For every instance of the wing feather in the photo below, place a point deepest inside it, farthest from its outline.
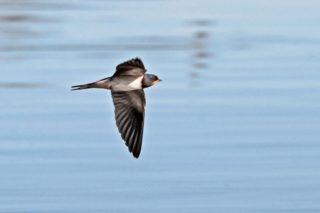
(133, 67)
(129, 115)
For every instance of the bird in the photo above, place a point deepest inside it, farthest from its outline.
(127, 86)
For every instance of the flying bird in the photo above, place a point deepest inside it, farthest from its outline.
(126, 85)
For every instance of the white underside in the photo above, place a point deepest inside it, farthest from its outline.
(128, 84)
(136, 84)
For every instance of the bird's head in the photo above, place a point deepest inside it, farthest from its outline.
(154, 79)
(150, 80)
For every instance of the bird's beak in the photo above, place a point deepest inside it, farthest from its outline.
(156, 81)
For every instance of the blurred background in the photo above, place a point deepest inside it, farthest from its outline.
(233, 127)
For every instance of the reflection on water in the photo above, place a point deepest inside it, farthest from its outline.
(19, 85)
(233, 127)
(201, 55)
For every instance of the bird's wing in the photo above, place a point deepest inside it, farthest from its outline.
(133, 67)
(129, 115)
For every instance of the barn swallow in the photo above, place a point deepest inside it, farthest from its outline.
(126, 85)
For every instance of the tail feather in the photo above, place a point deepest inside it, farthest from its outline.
(103, 83)
(82, 86)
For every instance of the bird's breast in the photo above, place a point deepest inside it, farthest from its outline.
(127, 83)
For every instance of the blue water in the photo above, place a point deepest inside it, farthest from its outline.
(233, 126)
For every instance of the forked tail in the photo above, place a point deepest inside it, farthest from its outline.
(103, 84)
(82, 86)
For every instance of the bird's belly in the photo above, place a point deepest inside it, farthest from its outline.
(127, 84)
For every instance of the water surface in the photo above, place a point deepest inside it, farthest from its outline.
(233, 127)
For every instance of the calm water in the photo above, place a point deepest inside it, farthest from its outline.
(233, 127)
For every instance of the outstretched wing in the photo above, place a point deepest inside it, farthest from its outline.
(129, 115)
(133, 67)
